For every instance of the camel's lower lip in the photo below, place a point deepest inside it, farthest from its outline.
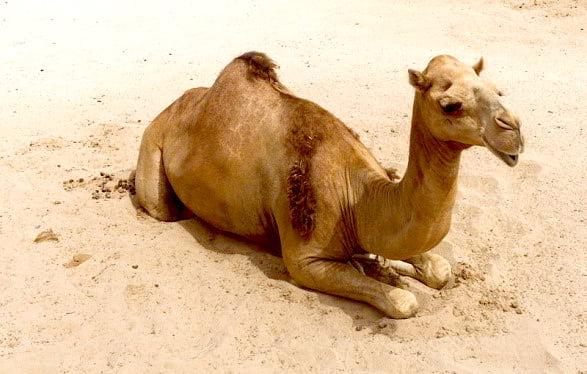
(510, 160)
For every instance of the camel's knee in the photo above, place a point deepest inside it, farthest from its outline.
(302, 272)
(153, 191)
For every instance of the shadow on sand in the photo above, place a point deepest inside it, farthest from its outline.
(269, 261)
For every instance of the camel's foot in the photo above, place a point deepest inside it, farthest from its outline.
(399, 303)
(430, 269)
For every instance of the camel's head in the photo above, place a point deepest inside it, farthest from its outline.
(460, 106)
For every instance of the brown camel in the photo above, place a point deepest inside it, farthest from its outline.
(251, 158)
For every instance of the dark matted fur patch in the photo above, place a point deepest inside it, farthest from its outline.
(306, 131)
(302, 199)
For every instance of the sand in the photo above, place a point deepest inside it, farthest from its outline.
(109, 289)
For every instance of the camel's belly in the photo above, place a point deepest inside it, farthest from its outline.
(231, 197)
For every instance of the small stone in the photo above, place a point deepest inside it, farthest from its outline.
(358, 328)
(95, 195)
(514, 304)
(135, 266)
(156, 285)
(81, 180)
(383, 323)
(107, 195)
(47, 235)
(77, 260)
(519, 311)
(57, 202)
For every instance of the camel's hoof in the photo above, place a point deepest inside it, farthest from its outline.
(403, 304)
(436, 271)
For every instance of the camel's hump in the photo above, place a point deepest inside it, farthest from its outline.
(260, 65)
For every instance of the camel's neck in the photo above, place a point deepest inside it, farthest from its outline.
(414, 215)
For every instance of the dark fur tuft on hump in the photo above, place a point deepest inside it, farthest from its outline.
(260, 65)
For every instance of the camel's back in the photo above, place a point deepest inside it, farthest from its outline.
(225, 157)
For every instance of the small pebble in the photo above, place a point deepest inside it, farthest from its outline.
(135, 266)
(358, 328)
(383, 323)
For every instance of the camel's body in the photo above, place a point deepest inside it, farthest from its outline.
(250, 158)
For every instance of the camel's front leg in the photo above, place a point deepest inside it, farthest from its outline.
(342, 279)
(429, 268)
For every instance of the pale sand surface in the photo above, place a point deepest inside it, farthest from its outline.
(79, 83)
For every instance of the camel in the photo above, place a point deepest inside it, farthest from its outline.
(251, 158)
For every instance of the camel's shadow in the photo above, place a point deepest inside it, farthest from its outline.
(270, 263)
(265, 259)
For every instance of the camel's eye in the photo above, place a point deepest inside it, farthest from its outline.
(452, 108)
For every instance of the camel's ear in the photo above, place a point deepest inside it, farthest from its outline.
(478, 67)
(418, 80)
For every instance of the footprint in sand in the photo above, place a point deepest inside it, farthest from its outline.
(136, 295)
(481, 184)
(528, 170)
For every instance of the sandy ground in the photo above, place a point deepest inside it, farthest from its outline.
(118, 291)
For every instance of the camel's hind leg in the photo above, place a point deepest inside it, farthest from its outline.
(153, 191)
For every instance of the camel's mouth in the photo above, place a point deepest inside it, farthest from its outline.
(510, 160)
